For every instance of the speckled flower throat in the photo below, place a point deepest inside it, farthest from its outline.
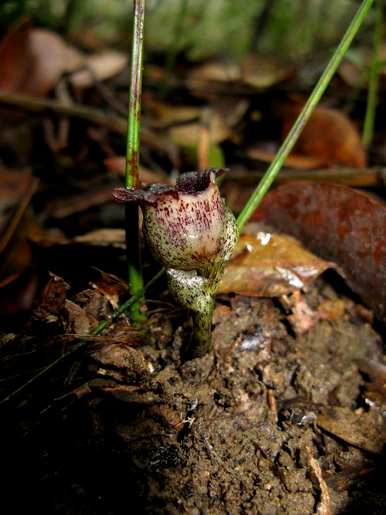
(192, 232)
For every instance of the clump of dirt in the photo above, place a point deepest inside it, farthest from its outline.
(276, 419)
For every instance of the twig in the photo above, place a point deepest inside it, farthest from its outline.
(106, 120)
(304, 116)
(41, 105)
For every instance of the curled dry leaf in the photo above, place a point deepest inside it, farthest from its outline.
(257, 71)
(162, 114)
(329, 137)
(184, 123)
(99, 67)
(263, 71)
(266, 264)
(189, 134)
(54, 295)
(32, 61)
(111, 287)
(340, 224)
(77, 320)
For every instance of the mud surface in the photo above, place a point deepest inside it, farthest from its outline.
(286, 415)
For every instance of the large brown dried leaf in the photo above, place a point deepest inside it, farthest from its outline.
(32, 61)
(329, 137)
(270, 265)
(340, 224)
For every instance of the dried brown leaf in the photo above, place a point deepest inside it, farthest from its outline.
(33, 60)
(100, 66)
(329, 136)
(270, 265)
(338, 223)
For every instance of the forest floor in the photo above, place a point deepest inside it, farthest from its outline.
(286, 413)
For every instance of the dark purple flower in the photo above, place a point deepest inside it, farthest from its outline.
(185, 225)
(192, 232)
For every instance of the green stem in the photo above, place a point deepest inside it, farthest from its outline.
(133, 240)
(372, 92)
(134, 113)
(83, 343)
(304, 116)
(202, 332)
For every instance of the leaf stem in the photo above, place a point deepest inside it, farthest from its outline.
(133, 240)
(134, 113)
(372, 91)
(304, 116)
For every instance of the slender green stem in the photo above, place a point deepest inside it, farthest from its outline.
(304, 116)
(372, 92)
(83, 343)
(134, 113)
(133, 240)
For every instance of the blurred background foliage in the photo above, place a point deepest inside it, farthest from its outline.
(291, 29)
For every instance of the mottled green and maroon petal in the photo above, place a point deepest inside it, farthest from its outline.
(146, 196)
(192, 232)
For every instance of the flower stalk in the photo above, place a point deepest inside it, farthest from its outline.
(133, 240)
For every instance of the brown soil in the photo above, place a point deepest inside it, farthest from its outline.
(271, 422)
